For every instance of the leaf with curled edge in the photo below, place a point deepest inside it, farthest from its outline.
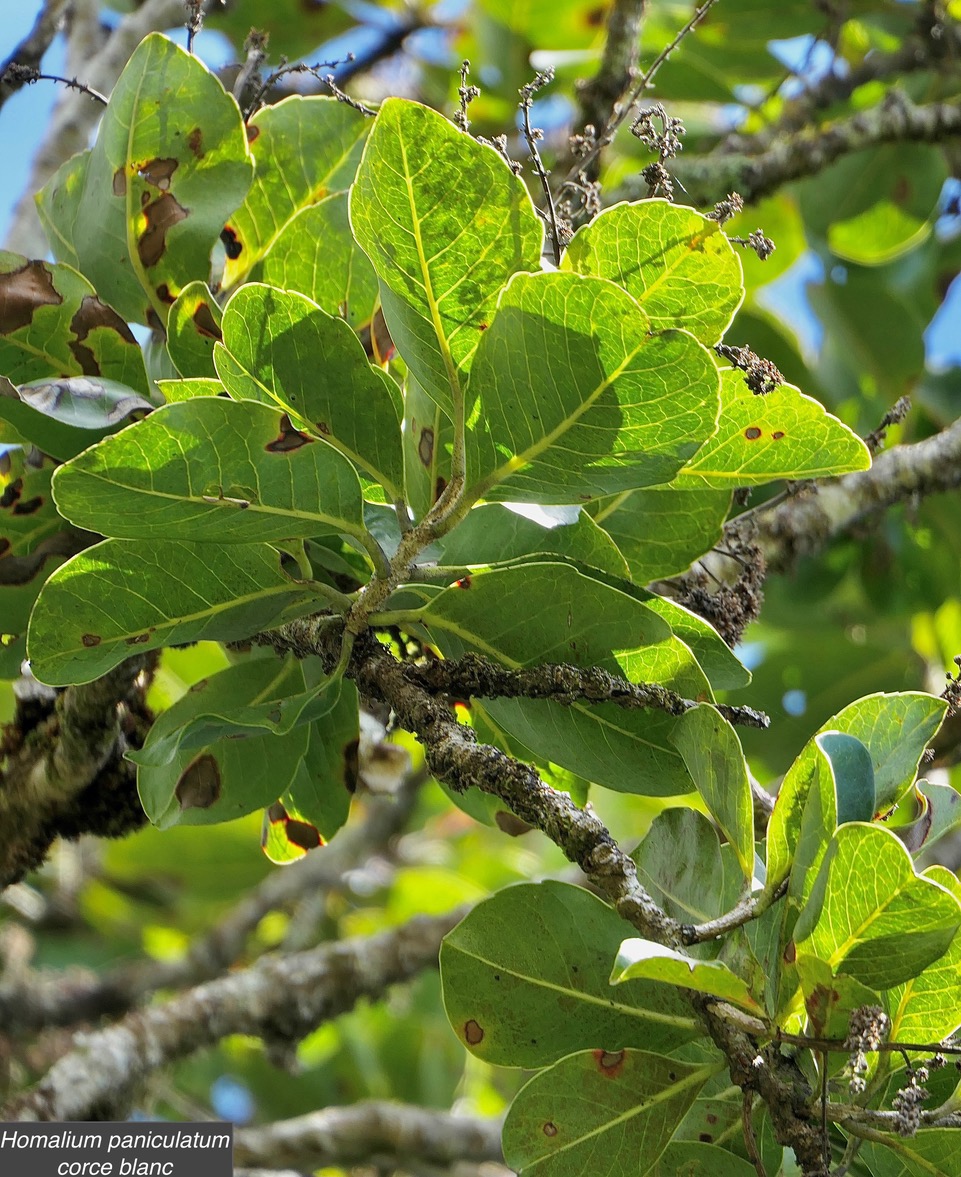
(139, 213)
(193, 327)
(783, 434)
(53, 324)
(62, 417)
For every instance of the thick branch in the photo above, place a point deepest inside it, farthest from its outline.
(803, 525)
(30, 51)
(281, 999)
(64, 772)
(475, 677)
(373, 1132)
(599, 96)
(895, 120)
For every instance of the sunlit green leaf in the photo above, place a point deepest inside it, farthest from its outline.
(139, 213)
(644, 959)
(572, 398)
(193, 327)
(445, 223)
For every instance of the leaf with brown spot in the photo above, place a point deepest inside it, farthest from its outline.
(142, 185)
(53, 324)
(198, 786)
(193, 328)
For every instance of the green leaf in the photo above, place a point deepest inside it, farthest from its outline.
(925, 1007)
(691, 1158)
(118, 599)
(675, 261)
(185, 390)
(623, 1107)
(783, 434)
(878, 921)
(193, 327)
(713, 654)
(545, 612)
(428, 437)
(938, 813)
(225, 778)
(801, 825)
(571, 397)
(637, 959)
(63, 417)
(445, 223)
(525, 979)
(34, 540)
(283, 350)
(211, 469)
(932, 1152)
(712, 753)
(53, 324)
(853, 775)
(303, 149)
(316, 255)
(661, 532)
(492, 533)
(829, 1000)
(139, 213)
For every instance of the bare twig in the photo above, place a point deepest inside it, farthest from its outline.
(531, 137)
(24, 75)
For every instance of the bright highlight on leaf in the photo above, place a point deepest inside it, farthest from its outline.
(644, 958)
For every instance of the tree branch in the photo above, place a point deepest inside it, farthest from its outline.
(36, 1000)
(29, 53)
(372, 1132)
(804, 525)
(475, 677)
(280, 999)
(895, 120)
(598, 97)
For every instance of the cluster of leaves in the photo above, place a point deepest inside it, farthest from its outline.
(387, 411)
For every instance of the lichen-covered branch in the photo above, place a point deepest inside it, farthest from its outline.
(279, 999)
(372, 1132)
(792, 157)
(599, 95)
(63, 771)
(804, 524)
(475, 677)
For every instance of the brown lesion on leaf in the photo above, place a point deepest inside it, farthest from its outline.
(28, 506)
(610, 1062)
(91, 314)
(289, 438)
(549, 1128)
(752, 433)
(205, 323)
(195, 141)
(425, 446)
(473, 1033)
(777, 434)
(158, 172)
(302, 834)
(233, 247)
(161, 214)
(90, 640)
(20, 570)
(22, 292)
(199, 784)
(164, 294)
(253, 132)
(324, 428)
(137, 639)
(120, 182)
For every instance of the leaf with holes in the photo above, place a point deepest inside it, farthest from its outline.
(661, 532)
(53, 324)
(303, 149)
(139, 213)
(637, 958)
(63, 417)
(526, 1001)
(211, 469)
(783, 434)
(675, 261)
(445, 223)
(623, 1106)
(572, 398)
(225, 777)
(315, 254)
(870, 916)
(193, 327)
(118, 599)
(283, 350)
